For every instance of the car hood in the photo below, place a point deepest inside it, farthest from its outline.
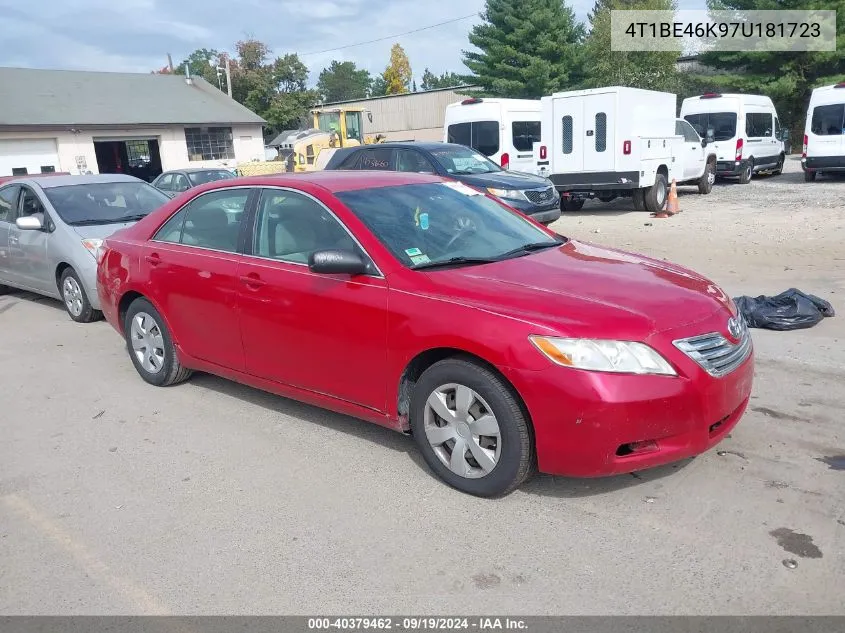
(504, 180)
(585, 290)
(99, 231)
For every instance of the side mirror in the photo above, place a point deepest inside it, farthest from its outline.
(336, 262)
(30, 223)
(704, 142)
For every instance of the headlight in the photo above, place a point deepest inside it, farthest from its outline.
(92, 245)
(600, 355)
(510, 194)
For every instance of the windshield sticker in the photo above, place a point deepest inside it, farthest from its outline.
(424, 221)
(420, 259)
(462, 188)
(412, 252)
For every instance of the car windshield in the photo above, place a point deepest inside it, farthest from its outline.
(447, 223)
(464, 161)
(722, 124)
(104, 202)
(202, 177)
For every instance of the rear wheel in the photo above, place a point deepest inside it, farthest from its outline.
(745, 176)
(150, 346)
(705, 183)
(779, 169)
(471, 428)
(75, 299)
(639, 199)
(571, 204)
(655, 196)
(607, 197)
(809, 176)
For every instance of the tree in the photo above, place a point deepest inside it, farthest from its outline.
(650, 70)
(202, 62)
(430, 81)
(397, 76)
(787, 77)
(378, 88)
(527, 48)
(343, 81)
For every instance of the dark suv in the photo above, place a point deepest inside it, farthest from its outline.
(532, 195)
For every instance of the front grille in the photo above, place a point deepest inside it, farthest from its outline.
(717, 355)
(540, 196)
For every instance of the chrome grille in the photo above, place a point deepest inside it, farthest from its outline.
(540, 196)
(716, 354)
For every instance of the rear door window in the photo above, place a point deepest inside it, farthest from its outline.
(721, 124)
(828, 120)
(460, 133)
(479, 135)
(525, 134)
(758, 124)
(377, 159)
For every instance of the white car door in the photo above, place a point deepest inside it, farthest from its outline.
(694, 154)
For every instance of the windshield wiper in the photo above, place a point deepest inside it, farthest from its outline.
(455, 261)
(132, 218)
(90, 222)
(529, 248)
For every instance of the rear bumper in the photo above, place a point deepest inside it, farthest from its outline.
(826, 163)
(731, 167)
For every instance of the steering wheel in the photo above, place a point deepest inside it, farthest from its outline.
(465, 227)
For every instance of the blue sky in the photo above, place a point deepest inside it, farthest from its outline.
(136, 35)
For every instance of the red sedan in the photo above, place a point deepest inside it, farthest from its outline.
(429, 308)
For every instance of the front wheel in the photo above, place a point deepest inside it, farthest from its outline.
(655, 196)
(705, 183)
(809, 176)
(151, 347)
(639, 199)
(75, 298)
(470, 428)
(571, 204)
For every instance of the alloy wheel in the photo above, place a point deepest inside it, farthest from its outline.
(147, 342)
(462, 430)
(72, 295)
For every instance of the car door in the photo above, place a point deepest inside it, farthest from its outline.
(693, 152)
(191, 265)
(8, 211)
(29, 264)
(164, 183)
(411, 160)
(322, 333)
(180, 183)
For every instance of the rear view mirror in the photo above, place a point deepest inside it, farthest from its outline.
(336, 262)
(29, 223)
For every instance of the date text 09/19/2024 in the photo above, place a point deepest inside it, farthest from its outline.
(418, 623)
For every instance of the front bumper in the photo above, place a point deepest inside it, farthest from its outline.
(823, 163)
(584, 421)
(731, 167)
(544, 213)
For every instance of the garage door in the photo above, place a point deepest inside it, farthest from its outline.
(33, 155)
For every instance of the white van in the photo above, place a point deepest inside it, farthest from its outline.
(504, 130)
(824, 132)
(744, 130)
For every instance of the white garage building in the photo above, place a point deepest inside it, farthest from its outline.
(141, 124)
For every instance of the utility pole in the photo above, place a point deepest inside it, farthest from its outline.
(228, 78)
(170, 63)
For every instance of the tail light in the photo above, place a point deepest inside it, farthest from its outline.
(739, 149)
(543, 152)
(506, 160)
(626, 147)
(804, 150)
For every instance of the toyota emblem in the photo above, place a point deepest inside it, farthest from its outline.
(735, 328)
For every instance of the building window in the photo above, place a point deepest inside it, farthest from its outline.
(48, 169)
(19, 171)
(209, 143)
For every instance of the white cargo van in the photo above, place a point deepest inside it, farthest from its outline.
(744, 130)
(610, 142)
(824, 132)
(504, 130)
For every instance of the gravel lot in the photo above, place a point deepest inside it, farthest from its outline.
(117, 497)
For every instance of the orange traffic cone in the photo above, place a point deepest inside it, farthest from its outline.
(672, 206)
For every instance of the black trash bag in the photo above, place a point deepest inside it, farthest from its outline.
(790, 310)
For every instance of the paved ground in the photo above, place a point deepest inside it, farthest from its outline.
(117, 497)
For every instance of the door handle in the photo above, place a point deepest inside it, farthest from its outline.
(153, 259)
(13, 239)
(252, 279)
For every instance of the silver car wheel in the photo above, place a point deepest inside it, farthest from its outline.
(462, 430)
(711, 177)
(72, 295)
(147, 342)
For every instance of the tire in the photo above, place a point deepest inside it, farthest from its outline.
(607, 198)
(639, 199)
(5, 289)
(571, 205)
(779, 169)
(75, 299)
(809, 176)
(705, 183)
(656, 195)
(164, 366)
(745, 176)
(512, 458)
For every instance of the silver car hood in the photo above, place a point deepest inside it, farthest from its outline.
(99, 231)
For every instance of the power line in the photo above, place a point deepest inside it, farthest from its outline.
(390, 37)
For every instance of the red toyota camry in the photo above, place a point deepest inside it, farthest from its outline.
(429, 308)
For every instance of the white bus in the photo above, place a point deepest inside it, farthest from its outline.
(504, 130)
(824, 132)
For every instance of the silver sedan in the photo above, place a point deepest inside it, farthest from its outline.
(51, 228)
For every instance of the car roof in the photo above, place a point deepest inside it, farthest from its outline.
(334, 181)
(424, 145)
(193, 170)
(47, 182)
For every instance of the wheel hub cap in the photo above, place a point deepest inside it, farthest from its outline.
(147, 342)
(462, 430)
(72, 294)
